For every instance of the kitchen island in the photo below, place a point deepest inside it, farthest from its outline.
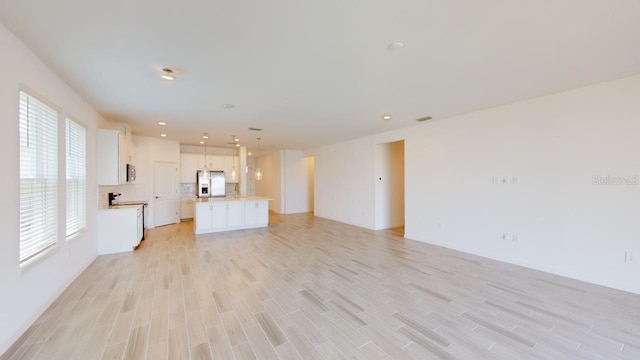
(231, 213)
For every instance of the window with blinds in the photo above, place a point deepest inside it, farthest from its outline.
(38, 177)
(75, 151)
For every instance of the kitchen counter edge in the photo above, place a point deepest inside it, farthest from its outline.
(214, 199)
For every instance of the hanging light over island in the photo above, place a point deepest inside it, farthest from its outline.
(258, 174)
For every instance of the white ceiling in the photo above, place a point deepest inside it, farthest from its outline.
(319, 72)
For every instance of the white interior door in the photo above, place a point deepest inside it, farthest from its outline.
(166, 193)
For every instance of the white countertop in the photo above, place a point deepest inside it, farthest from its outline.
(123, 206)
(248, 198)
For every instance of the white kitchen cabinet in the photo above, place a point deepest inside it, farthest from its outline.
(189, 165)
(204, 218)
(215, 215)
(113, 152)
(120, 229)
(229, 163)
(256, 212)
(216, 162)
(235, 213)
(187, 208)
(210, 216)
(219, 215)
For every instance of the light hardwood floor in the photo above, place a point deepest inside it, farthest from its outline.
(310, 288)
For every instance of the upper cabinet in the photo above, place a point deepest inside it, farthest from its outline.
(191, 163)
(216, 162)
(113, 148)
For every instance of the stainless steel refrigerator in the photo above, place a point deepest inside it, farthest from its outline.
(212, 185)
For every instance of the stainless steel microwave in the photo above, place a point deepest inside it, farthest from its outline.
(131, 173)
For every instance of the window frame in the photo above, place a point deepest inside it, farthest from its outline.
(83, 228)
(52, 246)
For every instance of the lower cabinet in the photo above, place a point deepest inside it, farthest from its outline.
(256, 212)
(219, 215)
(235, 214)
(119, 230)
(210, 216)
(215, 216)
(204, 217)
(187, 208)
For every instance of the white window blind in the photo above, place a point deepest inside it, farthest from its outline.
(38, 176)
(75, 150)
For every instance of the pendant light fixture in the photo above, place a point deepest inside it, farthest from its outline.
(205, 169)
(233, 168)
(258, 175)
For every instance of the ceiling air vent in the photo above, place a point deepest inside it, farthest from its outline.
(254, 129)
(424, 118)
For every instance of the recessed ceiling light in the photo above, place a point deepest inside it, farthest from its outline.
(228, 106)
(248, 153)
(237, 145)
(386, 117)
(201, 142)
(395, 46)
(236, 139)
(163, 135)
(205, 136)
(162, 123)
(167, 74)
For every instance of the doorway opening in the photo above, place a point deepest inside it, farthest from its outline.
(309, 163)
(389, 189)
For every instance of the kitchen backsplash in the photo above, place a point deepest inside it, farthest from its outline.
(230, 190)
(137, 192)
(187, 190)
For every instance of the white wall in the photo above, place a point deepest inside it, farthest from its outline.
(310, 169)
(251, 181)
(553, 145)
(297, 188)
(287, 178)
(344, 182)
(242, 171)
(26, 294)
(147, 151)
(211, 150)
(271, 183)
(389, 195)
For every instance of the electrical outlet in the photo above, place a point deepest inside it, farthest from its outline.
(515, 180)
(514, 238)
(505, 236)
(439, 225)
(629, 257)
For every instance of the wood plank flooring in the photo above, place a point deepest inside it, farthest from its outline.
(310, 288)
